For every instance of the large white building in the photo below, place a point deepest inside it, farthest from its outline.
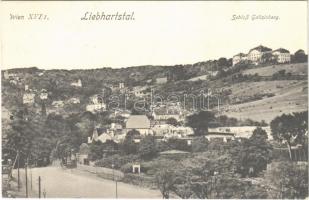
(141, 123)
(282, 55)
(255, 55)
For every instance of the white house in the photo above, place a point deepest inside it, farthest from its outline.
(139, 91)
(121, 85)
(161, 80)
(217, 135)
(241, 131)
(255, 54)
(58, 104)
(164, 113)
(44, 94)
(28, 98)
(282, 55)
(96, 107)
(6, 75)
(141, 123)
(77, 84)
(96, 104)
(239, 57)
(74, 100)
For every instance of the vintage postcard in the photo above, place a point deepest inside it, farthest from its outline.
(154, 99)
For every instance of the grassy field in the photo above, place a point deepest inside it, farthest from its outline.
(289, 96)
(294, 69)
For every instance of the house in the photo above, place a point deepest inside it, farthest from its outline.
(58, 104)
(139, 91)
(162, 129)
(217, 135)
(96, 104)
(239, 57)
(28, 98)
(282, 55)
(121, 85)
(241, 131)
(11, 76)
(74, 100)
(96, 107)
(44, 94)
(255, 55)
(116, 126)
(101, 134)
(141, 123)
(13, 82)
(161, 80)
(170, 131)
(82, 157)
(6, 75)
(125, 114)
(77, 84)
(164, 113)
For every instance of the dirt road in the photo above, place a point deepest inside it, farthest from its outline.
(63, 183)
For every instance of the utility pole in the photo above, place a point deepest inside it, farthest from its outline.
(218, 104)
(116, 190)
(26, 166)
(30, 178)
(18, 177)
(39, 186)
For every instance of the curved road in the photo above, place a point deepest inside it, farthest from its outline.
(72, 183)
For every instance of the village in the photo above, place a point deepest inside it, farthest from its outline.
(129, 132)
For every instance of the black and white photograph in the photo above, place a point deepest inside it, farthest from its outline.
(154, 99)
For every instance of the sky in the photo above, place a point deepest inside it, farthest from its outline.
(163, 33)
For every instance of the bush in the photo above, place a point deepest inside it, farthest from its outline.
(117, 160)
(126, 168)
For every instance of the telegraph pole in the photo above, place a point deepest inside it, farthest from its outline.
(26, 166)
(116, 190)
(30, 178)
(18, 177)
(39, 186)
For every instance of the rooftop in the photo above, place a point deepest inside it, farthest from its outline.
(138, 122)
(281, 50)
(261, 48)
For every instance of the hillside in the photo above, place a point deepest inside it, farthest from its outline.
(294, 69)
(286, 96)
(243, 92)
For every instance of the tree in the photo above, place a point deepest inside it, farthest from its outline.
(166, 178)
(172, 121)
(222, 63)
(259, 132)
(199, 144)
(147, 147)
(200, 122)
(287, 180)
(255, 153)
(128, 145)
(290, 128)
(175, 143)
(300, 56)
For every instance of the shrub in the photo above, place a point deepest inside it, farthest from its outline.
(117, 160)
